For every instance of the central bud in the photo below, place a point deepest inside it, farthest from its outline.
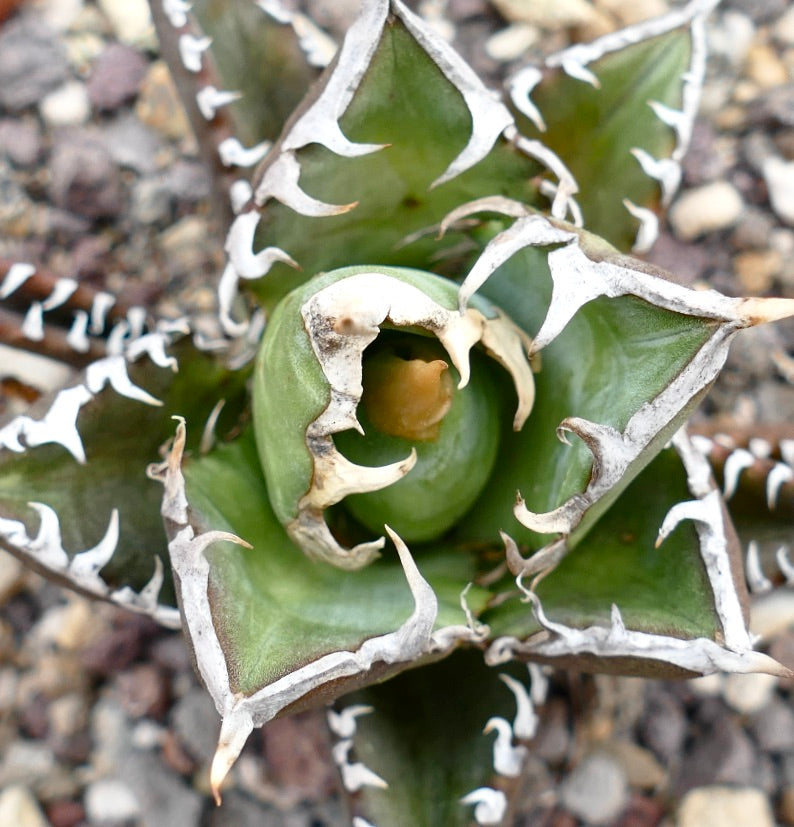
(407, 390)
(374, 393)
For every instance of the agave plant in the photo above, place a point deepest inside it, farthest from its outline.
(441, 424)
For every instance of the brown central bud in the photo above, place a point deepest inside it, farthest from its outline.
(407, 394)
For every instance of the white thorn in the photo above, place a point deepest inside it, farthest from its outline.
(702, 443)
(785, 565)
(33, 324)
(233, 153)
(525, 724)
(490, 805)
(77, 337)
(787, 451)
(776, 479)
(16, 276)
(737, 462)
(100, 306)
(176, 11)
(210, 100)
(756, 579)
(648, 231)
(508, 760)
(539, 683)
(190, 51)
(354, 776)
(343, 723)
(760, 448)
(60, 293)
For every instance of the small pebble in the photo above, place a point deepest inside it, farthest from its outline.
(779, 177)
(764, 67)
(12, 576)
(642, 769)
(704, 209)
(550, 14)
(131, 21)
(68, 105)
(725, 807)
(18, 808)
(757, 269)
(158, 104)
(773, 727)
(116, 76)
(32, 62)
(20, 141)
(597, 789)
(110, 800)
(196, 724)
(510, 43)
(84, 179)
(783, 30)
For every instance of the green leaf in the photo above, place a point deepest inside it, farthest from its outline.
(594, 130)
(406, 102)
(424, 737)
(613, 357)
(662, 590)
(274, 610)
(121, 436)
(258, 57)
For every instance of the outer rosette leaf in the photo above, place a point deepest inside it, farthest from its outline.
(438, 745)
(259, 55)
(619, 112)
(607, 606)
(272, 630)
(397, 133)
(626, 356)
(74, 469)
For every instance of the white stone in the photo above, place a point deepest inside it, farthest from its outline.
(730, 36)
(110, 800)
(779, 177)
(784, 28)
(725, 807)
(748, 693)
(597, 790)
(130, 20)
(512, 42)
(708, 686)
(68, 105)
(59, 14)
(548, 14)
(19, 808)
(714, 206)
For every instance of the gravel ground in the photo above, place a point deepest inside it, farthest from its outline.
(102, 721)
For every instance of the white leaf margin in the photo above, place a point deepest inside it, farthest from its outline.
(734, 653)
(577, 279)
(575, 61)
(416, 638)
(278, 176)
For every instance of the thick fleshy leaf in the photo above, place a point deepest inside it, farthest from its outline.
(597, 130)
(259, 57)
(618, 563)
(422, 735)
(117, 431)
(607, 605)
(406, 103)
(614, 356)
(271, 629)
(274, 609)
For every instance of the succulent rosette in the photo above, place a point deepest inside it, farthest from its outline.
(462, 428)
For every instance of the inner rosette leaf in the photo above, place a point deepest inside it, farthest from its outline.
(419, 450)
